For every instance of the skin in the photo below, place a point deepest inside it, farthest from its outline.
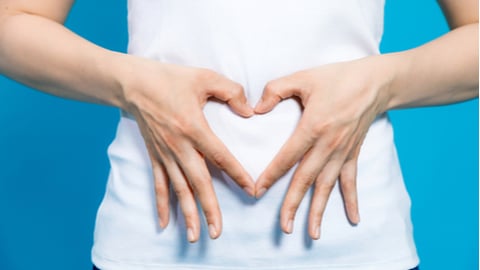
(175, 130)
(327, 141)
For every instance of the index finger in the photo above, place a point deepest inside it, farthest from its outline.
(290, 153)
(215, 151)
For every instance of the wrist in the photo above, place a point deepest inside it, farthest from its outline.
(396, 67)
(111, 70)
(122, 71)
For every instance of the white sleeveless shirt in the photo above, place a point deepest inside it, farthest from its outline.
(253, 42)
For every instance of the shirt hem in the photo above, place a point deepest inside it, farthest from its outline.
(104, 263)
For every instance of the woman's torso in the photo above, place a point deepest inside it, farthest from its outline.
(253, 42)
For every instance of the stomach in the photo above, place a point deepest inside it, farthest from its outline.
(127, 230)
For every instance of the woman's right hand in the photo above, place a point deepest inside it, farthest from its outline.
(166, 101)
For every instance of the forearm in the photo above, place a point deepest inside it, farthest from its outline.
(440, 72)
(43, 54)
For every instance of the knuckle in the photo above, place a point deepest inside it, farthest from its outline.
(288, 164)
(284, 164)
(237, 90)
(348, 184)
(228, 95)
(198, 183)
(219, 159)
(336, 143)
(186, 126)
(304, 132)
(270, 88)
(192, 130)
(161, 191)
(304, 181)
(205, 75)
(175, 124)
(182, 193)
(325, 187)
(319, 129)
(172, 139)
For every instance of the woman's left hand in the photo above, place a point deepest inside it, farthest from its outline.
(340, 102)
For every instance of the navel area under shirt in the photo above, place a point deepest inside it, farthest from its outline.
(253, 42)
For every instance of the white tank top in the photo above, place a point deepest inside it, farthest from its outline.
(253, 42)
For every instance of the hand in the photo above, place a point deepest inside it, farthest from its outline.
(340, 102)
(166, 101)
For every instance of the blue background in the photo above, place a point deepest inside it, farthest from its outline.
(53, 164)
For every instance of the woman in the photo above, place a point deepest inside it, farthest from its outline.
(342, 89)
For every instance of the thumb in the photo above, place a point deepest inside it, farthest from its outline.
(232, 93)
(274, 92)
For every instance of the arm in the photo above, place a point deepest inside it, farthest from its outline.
(443, 71)
(329, 135)
(37, 50)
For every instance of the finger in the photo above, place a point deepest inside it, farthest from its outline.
(305, 175)
(290, 153)
(160, 179)
(275, 91)
(216, 152)
(348, 187)
(323, 187)
(232, 93)
(185, 198)
(161, 193)
(195, 169)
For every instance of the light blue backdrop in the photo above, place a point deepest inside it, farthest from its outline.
(53, 164)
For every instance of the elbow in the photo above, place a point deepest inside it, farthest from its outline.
(6, 12)
(464, 24)
(56, 14)
(459, 13)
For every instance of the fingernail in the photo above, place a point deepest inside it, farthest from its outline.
(290, 226)
(249, 110)
(316, 233)
(353, 216)
(212, 231)
(356, 218)
(260, 193)
(259, 107)
(190, 235)
(160, 223)
(259, 104)
(249, 191)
